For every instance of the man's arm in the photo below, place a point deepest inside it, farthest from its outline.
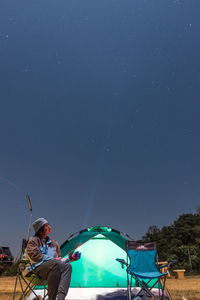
(57, 249)
(33, 251)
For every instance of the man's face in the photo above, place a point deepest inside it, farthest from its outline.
(47, 230)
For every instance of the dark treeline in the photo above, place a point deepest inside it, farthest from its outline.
(180, 241)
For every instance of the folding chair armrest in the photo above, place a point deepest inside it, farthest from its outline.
(122, 262)
(172, 262)
(167, 265)
(163, 266)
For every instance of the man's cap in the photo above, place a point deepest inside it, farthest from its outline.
(37, 224)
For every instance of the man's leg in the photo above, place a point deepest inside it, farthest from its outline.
(51, 272)
(66, 270)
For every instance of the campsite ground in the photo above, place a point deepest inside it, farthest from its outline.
(189, 287)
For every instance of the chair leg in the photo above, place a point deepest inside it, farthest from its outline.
(128, 288)
(45, 292)
(24, 291)
(163, 288)
(30, 288)
(15, 287)
(23, 295)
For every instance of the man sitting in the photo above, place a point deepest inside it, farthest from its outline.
(45, 257)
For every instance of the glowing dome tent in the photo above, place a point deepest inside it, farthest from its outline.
(100, 246)
(97, 274)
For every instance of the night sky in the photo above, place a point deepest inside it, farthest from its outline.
(99, 114)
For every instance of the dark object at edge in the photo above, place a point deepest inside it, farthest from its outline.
(6, 259)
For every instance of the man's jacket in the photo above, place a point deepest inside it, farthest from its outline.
(40, 250)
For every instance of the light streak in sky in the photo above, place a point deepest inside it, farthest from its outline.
(10, 183)
(101, 163)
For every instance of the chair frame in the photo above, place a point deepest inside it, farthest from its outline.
(29, 279)
(145, 290)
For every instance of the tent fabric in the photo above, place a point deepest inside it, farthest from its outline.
(98, 268)
(100, 246)
(71, 244)
(116, 238)
(79, 238)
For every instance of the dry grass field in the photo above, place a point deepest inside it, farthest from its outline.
(189, 287)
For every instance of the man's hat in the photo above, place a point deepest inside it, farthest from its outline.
(37, 224)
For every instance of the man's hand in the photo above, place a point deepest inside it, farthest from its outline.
(57, 258)
(75, 256)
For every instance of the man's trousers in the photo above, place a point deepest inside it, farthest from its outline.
(58, 276)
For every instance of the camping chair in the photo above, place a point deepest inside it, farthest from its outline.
(27, 279)
(142, 268)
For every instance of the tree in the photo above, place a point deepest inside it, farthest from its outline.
(180, 241)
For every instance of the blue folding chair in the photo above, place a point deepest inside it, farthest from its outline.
(142, 268)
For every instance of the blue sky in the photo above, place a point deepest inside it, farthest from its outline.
(99, 114)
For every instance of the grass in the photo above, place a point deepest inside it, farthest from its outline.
(6, 288)
(189, 287)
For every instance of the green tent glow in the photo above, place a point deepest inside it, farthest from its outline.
(97, 267)
(99, 246)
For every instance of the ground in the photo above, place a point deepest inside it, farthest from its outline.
(189, 287)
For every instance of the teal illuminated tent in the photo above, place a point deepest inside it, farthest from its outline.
(100, 246)
(97, 269)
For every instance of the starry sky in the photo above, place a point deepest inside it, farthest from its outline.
(99, 114)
